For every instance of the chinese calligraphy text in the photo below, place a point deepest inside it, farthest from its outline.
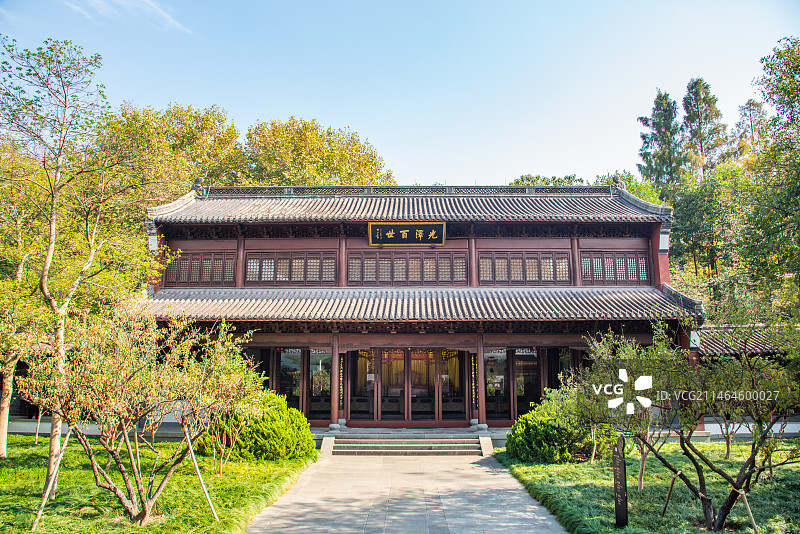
(407, 234)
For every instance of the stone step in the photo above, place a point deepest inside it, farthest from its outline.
(402, 435)
(405, 452)
(412, 446)
(402, 441)
(406, 445)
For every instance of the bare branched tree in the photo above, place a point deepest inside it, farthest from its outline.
(127, 375)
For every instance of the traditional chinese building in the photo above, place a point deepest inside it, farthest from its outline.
(417, 306)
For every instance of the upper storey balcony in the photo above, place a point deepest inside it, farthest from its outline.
(487, 236)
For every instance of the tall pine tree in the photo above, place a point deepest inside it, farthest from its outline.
(705, 132)
(662, 148)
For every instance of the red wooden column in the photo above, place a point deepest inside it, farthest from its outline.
(473, 263)
(342, 261)
(543, 369)
(305, 387)
(481, 383)
(406, 384)
(438, 363)
(511, 370)
(239, 273)
(335, 379)
(378, 384)
(576, 262)
(344, 383)
(274, 369)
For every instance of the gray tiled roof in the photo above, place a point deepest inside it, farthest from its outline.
(417, 304)
(330, 204)
(739, 339)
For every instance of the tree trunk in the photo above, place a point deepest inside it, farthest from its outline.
(55, 421)
(5, 408)
(143, 517)
(708, 512)
(643, 452)
(728, 439)
(725, 509)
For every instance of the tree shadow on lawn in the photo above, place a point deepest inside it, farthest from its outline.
(581, 496)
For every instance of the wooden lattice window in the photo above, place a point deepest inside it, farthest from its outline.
(524, 268)
(615, 268)
(290, 268)
(400, 269)
(354, 269)
(406, 268)
(201, 269)
(516, 269)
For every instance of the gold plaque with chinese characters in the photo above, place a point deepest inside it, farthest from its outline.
(406, 234)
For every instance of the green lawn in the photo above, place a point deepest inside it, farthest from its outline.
(80, 507)
(581, 496)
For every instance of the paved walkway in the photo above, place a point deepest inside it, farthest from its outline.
(406, 495)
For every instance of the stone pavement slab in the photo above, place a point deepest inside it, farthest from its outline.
(406, 494)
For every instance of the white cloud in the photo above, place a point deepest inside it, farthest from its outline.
(152, 11)
(10, 17)
(146, 10)
(78, 9)
(102, 7)
(165, 17)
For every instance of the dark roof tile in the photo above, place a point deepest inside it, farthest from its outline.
(264, 205)
(718, 340)
(417, 304)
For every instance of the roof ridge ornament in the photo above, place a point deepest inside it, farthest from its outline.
(686, 302)
(198, 188)
(632, 200)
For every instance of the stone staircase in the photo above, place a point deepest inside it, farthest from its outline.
(406, 445)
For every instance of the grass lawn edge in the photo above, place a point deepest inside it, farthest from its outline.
(257, 505)
(568, 519)
(246, 489)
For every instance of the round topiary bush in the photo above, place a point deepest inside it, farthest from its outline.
(279, 432)
(551, 433)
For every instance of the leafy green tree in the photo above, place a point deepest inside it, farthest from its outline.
(671, 372)
(178, 145)
(193, 143)
(643, 189)
(662, 148)
(301, 152)
(750, 131)
(771, 239)
(207, 143)
(540, 180)
(21, 320)
(86, 189)
(702, 123)
(127, 374)
(20, 249)
(709, 215)
(780, 84)
(696, 228)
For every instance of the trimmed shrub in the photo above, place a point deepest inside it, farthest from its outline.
(550, 433)
(279, 433)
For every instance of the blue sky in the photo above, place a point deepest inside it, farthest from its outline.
(450, 92)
